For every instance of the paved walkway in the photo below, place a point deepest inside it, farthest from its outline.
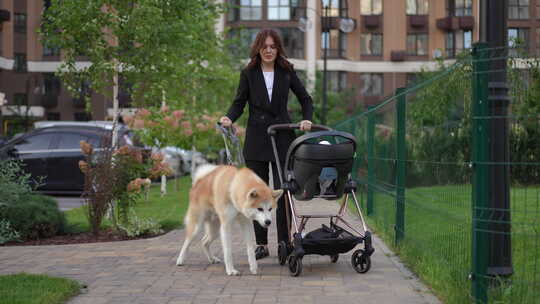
(144, 271)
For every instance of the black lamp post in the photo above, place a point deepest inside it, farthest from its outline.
(345, 24)
(325, 29)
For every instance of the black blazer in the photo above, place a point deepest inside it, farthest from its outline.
(263, 113)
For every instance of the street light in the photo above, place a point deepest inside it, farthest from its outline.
(345, 24)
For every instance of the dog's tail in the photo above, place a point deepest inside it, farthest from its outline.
(202, 171)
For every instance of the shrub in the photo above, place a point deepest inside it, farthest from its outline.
(7, 233)
(34, 216)
(31, 215)
(114, 178)
(140, 226)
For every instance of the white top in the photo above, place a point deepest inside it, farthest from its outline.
(269, 81)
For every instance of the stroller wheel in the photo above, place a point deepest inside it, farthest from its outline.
(295, 266)
(282, 253)
(361, 262)
(334, 258)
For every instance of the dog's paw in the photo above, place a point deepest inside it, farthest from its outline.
(179, 262)
(215, 260)
(253, 270)
(233, 272)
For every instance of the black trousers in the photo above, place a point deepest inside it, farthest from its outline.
(261, 233)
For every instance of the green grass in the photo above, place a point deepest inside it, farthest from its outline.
(437, 244)
(36, 289)
(168, 211)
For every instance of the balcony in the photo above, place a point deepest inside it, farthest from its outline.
(397, 56)
(371, 21)
(79, 102)
(466, 23)
(451, 23)
(49, 101)
(4, 15)
(448, 23)
(418, 21)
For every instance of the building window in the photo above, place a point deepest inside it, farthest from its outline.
(417, 7)
(538, 41)
(293, 42)
(459, 8)
(51, 84)
(371, 7)
(19, 22)
(46, 4)
(372, 84)
(298, 9)
(243, 39)
(371, 44)
(336, 8)
(20, 99)
(518, 9)
(450, 45)
(457, 41)
(53, 116)
(279, 10)
(337, 81)
(232, 11)
(82, 116)
(336, 43)
(20, 62)
(250, 9)
(417, 44)
(518, 39)
(411, 79)
(50, 50)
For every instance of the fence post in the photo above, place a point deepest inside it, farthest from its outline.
(480, 187)
(401, 164)
(370, 160)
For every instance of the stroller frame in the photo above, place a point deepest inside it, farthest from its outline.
(293, 252)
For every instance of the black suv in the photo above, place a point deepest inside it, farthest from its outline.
(52, 151)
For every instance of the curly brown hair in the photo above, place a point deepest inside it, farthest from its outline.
(258, 44)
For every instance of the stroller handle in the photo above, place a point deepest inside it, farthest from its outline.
(291, 126)
(225, 130)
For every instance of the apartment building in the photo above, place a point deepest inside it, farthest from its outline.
(392, 39)
(31, 90)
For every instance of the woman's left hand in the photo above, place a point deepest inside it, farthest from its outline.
(305, 125)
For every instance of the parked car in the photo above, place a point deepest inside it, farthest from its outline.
(181, 159)
(3, 140)
(52, 151)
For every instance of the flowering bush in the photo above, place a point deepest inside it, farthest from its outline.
(116, 175)
(166, 127)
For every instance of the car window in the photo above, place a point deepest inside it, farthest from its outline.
(35, 142)
(72, 140)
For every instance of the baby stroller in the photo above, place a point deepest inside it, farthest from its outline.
(318, 165)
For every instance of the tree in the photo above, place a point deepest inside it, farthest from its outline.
(165, 49)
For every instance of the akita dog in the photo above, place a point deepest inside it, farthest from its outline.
(221, 195)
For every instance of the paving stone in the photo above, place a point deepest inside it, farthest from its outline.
(144, 271)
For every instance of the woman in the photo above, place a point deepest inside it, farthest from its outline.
(264, 85)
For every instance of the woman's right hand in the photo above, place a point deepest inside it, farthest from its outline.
(225, 121)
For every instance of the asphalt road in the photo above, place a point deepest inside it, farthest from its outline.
(68, 202)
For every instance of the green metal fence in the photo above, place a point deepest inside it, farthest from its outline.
(429, 178)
